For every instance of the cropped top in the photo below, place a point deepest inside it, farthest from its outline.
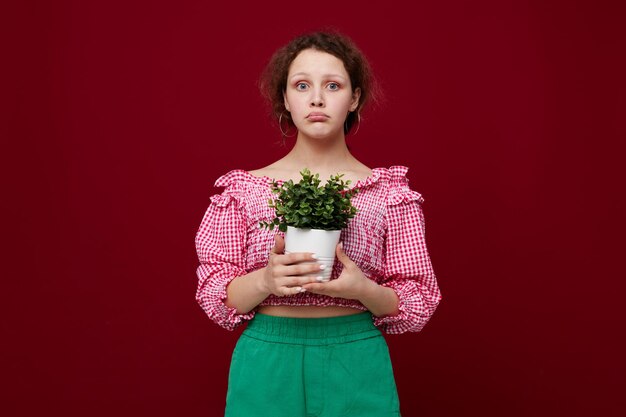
(386, 240)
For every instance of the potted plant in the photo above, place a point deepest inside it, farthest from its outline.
(312, 216)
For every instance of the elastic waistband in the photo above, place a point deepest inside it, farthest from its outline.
(312, 331)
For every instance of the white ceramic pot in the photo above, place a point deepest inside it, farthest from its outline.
(323, 243)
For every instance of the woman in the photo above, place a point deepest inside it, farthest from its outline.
(316, 348)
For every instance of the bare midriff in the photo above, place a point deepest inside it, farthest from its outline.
(308, 311)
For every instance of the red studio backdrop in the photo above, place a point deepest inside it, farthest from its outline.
(118, 117)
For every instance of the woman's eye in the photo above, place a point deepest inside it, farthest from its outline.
(333, 86)
(300, 86)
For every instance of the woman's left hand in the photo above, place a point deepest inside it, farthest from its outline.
(350, 284)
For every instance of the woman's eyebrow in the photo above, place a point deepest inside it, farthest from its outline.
(297, 74)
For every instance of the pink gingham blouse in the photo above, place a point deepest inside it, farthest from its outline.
(386, 239)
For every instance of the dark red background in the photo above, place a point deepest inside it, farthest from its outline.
(119, 116)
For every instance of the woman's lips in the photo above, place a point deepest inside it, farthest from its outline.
(317, 117)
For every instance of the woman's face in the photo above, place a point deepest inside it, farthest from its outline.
(319, 94)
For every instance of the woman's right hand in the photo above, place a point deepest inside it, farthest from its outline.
(283, 274)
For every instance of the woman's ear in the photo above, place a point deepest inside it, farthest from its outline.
(285, 100)
(356, 95)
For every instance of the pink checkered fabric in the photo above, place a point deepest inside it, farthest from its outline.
(386, 239)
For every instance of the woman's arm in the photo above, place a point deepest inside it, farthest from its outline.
(246, 291)
(381, 301)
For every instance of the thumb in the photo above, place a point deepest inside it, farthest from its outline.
(341, 255)
(279, 244)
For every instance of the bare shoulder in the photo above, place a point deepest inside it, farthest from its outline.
(357, 172)
(362, 171)
(268, 171)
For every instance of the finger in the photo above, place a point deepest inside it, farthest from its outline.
(316, 288)
(295, 271)
(341, 255)
(292, 290)
(298, 281)
(279, 245)
(297, 257)
(304, 268)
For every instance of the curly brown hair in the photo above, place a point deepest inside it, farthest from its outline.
(273, 81)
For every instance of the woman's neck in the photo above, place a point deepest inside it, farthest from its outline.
(319, 154)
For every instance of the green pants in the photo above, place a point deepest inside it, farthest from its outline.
(311, 367)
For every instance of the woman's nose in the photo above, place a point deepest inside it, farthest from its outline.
(317, 100)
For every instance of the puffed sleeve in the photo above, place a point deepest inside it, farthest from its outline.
(220, 244)
(408, 269)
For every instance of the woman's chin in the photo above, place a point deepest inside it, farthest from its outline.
(320, 133)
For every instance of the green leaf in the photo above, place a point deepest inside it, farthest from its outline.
(309, 204)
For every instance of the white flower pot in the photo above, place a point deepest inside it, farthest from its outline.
(323, 243)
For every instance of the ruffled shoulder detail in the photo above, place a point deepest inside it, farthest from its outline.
(231, 177)
(377, 174)
(223, 200)
(399, 190)
(234, 190)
